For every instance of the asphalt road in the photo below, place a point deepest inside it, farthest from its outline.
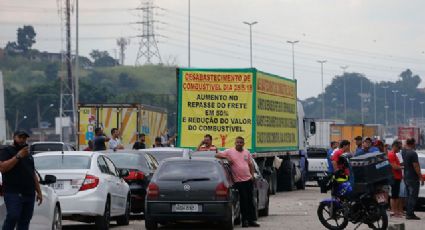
(288, 210)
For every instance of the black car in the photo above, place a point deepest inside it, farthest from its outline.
(141, 167)
(192, 189)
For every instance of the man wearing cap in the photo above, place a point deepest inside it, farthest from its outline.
(20, 183)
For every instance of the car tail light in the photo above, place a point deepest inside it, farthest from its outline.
(153, 191)
(423, 176)
(221, 190)
(89, 182)
(135, 175)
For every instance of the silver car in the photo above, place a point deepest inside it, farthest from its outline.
(162, 153)
(198, 189)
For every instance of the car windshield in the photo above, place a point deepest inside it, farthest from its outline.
(129, 161)
(161, 155)
(47, 147)
(317, 153)
(62, 162)
(188, 170)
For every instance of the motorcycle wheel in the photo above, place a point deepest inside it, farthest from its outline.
(335, 221)
(382, 222)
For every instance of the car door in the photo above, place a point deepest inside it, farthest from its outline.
(109, 181)
(119, 192)
(261, 185)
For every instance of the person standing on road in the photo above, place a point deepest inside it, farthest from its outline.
(141, 143)
(99, 140)
(412, 177)
(396, 203)
(115, 142)
(20, 183)
(359, 142)
(344, 148)
(243, 176)
(157, 143)
(334, 146)
(206, 144)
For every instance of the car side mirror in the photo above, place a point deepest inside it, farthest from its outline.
(49, 179)
(312, 127)
(124, 173)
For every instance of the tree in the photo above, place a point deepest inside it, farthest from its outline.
(103, 59)
(11, 48)
(51, 71)
(26, 38)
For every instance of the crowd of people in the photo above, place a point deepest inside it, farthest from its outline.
(406, 171)
(114, 141)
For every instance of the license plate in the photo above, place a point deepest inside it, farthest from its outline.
(320, 174)
(381, 198)
(60, 185)
(186, 208)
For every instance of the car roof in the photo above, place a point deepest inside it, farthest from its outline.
(122, 151)
(68, 153)
(183, 159)
(163, 149)
(421, 153)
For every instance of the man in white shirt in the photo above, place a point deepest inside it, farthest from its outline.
(115, 142)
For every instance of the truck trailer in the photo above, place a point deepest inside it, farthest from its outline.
(130, 119)
(260, 107)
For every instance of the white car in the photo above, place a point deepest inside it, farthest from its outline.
(47, 215)
(89, 186)
(421, 200)
(317, 163)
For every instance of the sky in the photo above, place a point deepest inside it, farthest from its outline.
(378, 38)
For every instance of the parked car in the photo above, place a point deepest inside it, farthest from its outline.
(165, 152)
(261, 186)
(199, 189)
(48, 215)
(421, 199)
(141, 166)
(89, 186)
(317, 163)
(38, 147)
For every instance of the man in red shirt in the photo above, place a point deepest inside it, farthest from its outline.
(396, 202)
(344, 147)
(206, 144)
(243, 175)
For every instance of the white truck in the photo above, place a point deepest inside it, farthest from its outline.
(260, 107)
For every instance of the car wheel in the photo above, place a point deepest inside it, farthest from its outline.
(150, 225)
(229, 223)
(265, 211)
(125, 219)
(102, 222)
(57, 219)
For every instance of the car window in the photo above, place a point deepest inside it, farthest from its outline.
(129, 161)
(111, 167)
(47, 147)
(62, 162)
(102, 165)
(182, 170)
(316, 153)
(151, 161)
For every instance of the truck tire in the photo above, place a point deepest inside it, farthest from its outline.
(285, 176)
(301, 183)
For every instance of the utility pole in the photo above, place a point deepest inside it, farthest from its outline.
(293, 57)
(148, 44)
(395, 107)
(67, 96)
(250, 24)
(188, 34)
(77, 57)
(122, 44)
(404, 107)
(412, 100)
(385, 87)
(345, 92)
(361, 99)
(374, 101)
(323, 89)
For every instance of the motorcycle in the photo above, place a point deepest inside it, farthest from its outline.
(345, 206)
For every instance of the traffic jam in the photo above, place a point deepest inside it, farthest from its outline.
(201, 173)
